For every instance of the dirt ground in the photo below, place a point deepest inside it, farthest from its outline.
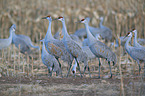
(44, 86)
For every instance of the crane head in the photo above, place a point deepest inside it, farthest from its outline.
(101, 18)
(129, 34)
(134, 30)
(47, 17)
(13, 27)
(82, 21)
(60, 18)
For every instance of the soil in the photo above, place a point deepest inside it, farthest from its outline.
(56, 86)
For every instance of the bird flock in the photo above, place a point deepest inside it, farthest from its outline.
(70, 47)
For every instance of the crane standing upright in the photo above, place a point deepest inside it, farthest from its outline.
(135, 43)
(105, 32)
(73, 48)
(49, 60)
(56, 47)
(99, 49)
(4, 43)
(137, 53)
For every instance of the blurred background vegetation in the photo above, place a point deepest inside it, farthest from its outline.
(120, 15)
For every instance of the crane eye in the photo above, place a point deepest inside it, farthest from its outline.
(60, 17)
(82, 19)
(128, 33)
(133, 29)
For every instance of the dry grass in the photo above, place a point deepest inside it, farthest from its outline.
(120, 16)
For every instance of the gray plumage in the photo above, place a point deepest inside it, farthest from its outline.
(56, 35)
(99, 49)
(81, 33)
(73, 48)
(4, 43)
(85, 41)
(76, 39)
(49, 60)
(141, 41)
(56, 47)
(89, 53)
(105, 32)
(136, 44)
(24, 47)
(27, 41)
(137, 53)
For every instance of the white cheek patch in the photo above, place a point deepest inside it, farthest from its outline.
(13, 29)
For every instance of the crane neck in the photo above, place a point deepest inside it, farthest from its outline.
(135, 38)
(65, 33)
(91, 38)
(101, 24)
(43, 48)
(127, 42)
(11, 34)
(49, 34)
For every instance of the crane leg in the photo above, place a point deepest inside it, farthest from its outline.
(139, 66)
(110, 69)
(84, 70)
(78, 67)
(69, 70)
(59, 66)
(50, 73)
(99, 67)
(89, 71)
(144, 70)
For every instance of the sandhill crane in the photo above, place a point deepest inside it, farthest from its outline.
(106, 32)
(137, 53)
(4, 43)
(99, 49)
(21, 44)
(73, 48)
(136, 44)
(81, 33)
(49, 60)
(56, 47)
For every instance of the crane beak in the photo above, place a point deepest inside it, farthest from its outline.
(126, 35)
(44, 17)
(42, 40)
(78, 22)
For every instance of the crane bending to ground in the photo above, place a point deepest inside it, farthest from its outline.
(56, 47)
(49, 60)
(99, 49)
(21, 44)
(137, 53)
(4, 43)
(27, 40)
(73, 48)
